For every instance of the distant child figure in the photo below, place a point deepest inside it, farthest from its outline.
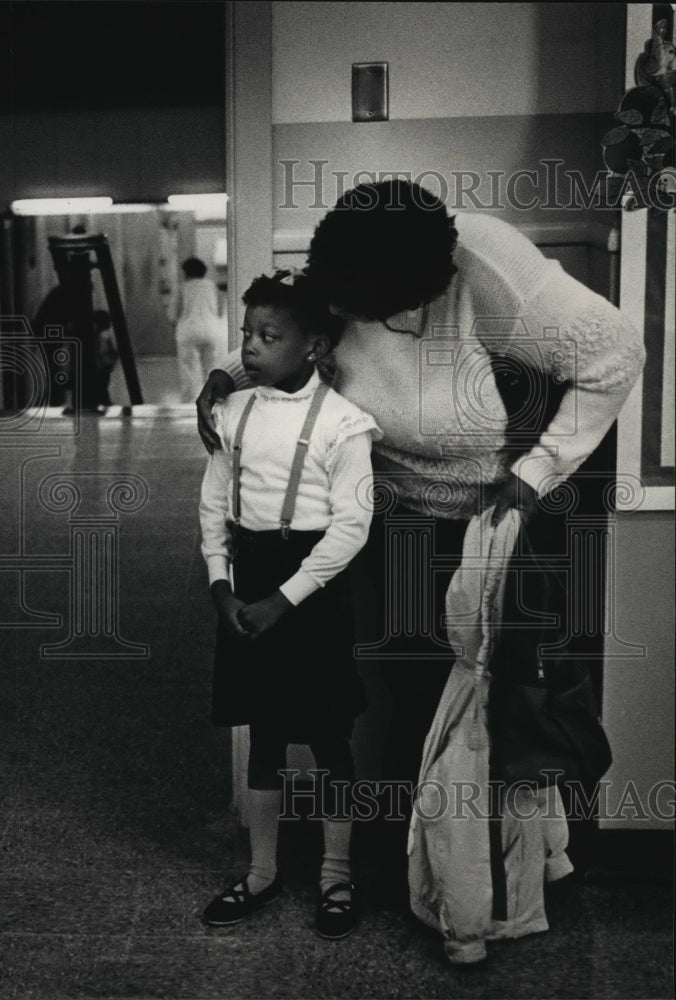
(201, 334)
(286, 504)
(106, 356)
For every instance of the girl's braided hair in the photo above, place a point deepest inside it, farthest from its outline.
(301, 297)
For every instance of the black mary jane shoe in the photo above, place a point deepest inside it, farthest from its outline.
(336, 918)
(236, 902)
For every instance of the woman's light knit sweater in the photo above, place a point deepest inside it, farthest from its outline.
(432, 391)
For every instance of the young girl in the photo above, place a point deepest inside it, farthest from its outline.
(286, 504)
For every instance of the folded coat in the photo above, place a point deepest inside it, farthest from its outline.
(462, 834)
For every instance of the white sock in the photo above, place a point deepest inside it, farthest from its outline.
(336, 862)
(263, 814)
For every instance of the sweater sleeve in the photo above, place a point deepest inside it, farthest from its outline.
(214, 509)
(350, 498)
(579, 338)
(233, 366)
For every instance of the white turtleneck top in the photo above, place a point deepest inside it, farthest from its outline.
(335, 493)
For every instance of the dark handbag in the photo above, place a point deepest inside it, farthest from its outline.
(542, 717)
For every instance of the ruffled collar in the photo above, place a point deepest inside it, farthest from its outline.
(270, 392)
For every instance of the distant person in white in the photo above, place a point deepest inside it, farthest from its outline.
(201, 334)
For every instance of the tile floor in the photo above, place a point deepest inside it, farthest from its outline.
(116, 827)
(158, 378)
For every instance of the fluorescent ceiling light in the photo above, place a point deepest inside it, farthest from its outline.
(60, 206)
(130, 208)
(205, 206)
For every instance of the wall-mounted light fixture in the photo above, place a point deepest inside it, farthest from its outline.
(60, 206)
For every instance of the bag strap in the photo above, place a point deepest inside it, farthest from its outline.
(549, 583)
(237, 456)
(291, 495)
(289, 504)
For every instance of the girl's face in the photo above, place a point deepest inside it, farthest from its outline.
(275, 350)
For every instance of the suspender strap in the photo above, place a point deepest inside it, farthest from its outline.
(237, 456)
(289, 504)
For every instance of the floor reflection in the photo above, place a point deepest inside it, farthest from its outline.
(159, 382)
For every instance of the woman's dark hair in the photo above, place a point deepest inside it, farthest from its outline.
(300, 297)
(193, 267)
(383, 248)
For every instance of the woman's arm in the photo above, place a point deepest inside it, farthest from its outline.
(581, 339)
(218, 387)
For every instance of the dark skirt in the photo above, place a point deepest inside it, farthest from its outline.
(300, 673)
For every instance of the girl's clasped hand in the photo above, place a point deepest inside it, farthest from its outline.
(247, 619)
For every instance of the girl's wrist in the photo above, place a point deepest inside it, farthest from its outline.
(280, 601)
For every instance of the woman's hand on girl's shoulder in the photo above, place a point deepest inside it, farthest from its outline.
(259, 617)
(218, 386)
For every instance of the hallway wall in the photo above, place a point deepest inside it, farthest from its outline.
(448, 60)
(500, 88)
(130, 154)
(638, 689)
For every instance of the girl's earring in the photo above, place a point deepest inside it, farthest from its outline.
(310, 357)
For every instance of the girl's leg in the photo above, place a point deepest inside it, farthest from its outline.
(267, 755)
(335, 756)
(260, 886)
(263, 814)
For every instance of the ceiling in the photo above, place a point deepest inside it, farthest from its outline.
(95, 54)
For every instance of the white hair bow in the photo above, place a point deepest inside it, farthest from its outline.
(290, 275)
